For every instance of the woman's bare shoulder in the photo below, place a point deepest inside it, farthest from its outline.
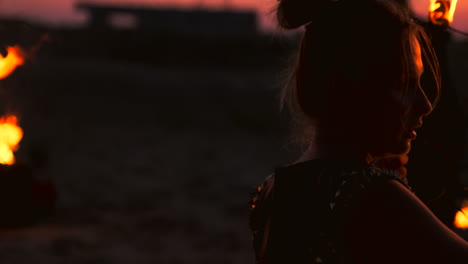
(389, 224)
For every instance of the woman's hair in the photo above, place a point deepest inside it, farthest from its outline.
(348, 47)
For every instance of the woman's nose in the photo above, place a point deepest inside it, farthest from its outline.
(422, 105)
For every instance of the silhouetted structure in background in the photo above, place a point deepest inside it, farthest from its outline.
(197, 21)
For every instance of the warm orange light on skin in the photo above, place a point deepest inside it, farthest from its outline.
(8, 64)
(442, 11)
(10, 136)
(461, 218)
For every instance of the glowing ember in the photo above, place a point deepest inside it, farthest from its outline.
(441, 12)
(461, 218)
(8, 64)
(10, 136)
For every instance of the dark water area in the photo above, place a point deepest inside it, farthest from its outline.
(153, 163)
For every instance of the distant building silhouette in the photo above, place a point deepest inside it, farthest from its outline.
(196, 21)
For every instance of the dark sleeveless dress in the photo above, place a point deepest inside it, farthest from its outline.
(297, 213)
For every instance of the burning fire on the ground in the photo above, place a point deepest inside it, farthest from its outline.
(441, 12)
(461, 218)
(23, 198)
(10, 136)
(10, 133)
(13, 59)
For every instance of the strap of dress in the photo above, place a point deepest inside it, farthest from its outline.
(353, 183)
(261, 206)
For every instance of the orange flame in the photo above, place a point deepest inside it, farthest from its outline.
(461, 218)
(453, 6)
(8, 64)
(441, 12)
(10, 136)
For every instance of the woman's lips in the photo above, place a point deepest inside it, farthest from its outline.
(412, 131)
(411, 134)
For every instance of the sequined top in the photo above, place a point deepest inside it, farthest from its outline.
(296, 215)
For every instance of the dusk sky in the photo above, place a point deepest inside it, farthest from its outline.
(62, 11)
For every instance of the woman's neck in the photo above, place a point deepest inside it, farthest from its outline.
(315, 151)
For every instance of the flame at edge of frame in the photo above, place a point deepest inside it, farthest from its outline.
(10, 137)
(15, 57)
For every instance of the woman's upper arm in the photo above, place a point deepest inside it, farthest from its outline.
(389, 224)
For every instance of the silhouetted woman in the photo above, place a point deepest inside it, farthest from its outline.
(356, 102)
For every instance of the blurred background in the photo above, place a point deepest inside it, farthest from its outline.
(155, 120)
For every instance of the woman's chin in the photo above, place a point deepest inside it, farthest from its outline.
(407, 146)
(403, 148)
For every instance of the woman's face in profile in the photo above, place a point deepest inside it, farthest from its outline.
(398, 131)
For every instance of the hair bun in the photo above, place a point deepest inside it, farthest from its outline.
(295, 13)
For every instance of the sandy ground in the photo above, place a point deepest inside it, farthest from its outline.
(151, 165)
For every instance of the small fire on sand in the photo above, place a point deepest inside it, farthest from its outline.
(10, 136)
(13, 59)
(24, 199)
(441, 12)
(10, 133)
(461, 218)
